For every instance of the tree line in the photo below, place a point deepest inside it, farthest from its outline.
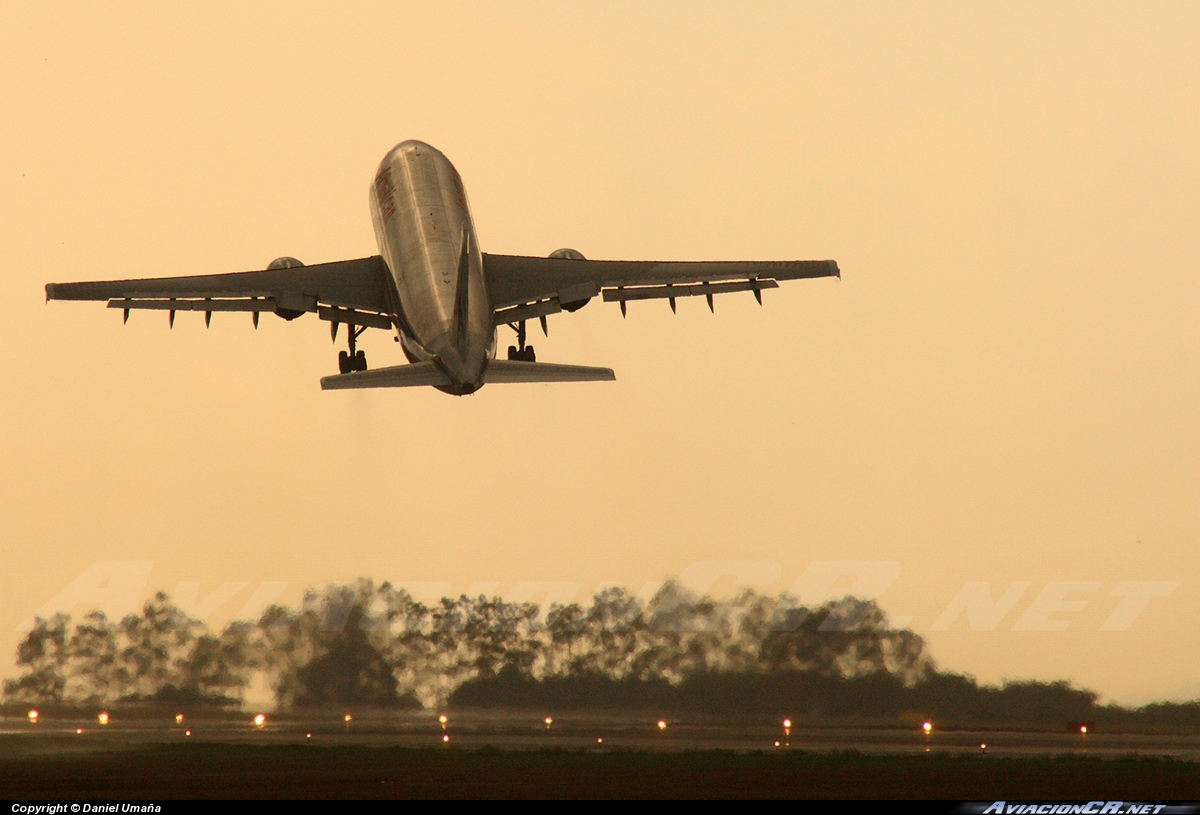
(368, 645)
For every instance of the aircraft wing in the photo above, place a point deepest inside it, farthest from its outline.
(522, 288)
(348, 291)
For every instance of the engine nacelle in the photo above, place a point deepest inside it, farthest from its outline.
(570, 254)
(285, 262)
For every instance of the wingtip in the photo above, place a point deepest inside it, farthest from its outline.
(49, 292)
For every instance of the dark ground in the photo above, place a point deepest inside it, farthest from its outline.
(207, 770)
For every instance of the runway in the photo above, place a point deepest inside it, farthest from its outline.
(508, 730)
(486, 754)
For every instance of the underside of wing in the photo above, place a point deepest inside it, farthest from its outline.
(522, 288)
(350, 291)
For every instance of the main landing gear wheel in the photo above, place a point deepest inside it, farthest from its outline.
(349, 364)
(521, 351)
(354, 360)
(525, 355)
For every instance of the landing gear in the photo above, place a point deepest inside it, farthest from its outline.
(521, 351)
(348, 363)
(355, 360)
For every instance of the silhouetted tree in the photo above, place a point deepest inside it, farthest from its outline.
(367, 645)
(43, 656)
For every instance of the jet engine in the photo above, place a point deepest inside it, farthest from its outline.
(570, 254)
(284, 262)
(567, 254)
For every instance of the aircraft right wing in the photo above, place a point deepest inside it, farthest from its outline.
(358, 292)
(522, 288)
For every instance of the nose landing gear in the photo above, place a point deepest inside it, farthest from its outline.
(521, 351)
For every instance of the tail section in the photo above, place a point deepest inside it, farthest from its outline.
(498, 372)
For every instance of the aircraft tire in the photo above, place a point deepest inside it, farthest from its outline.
(529, 355)
(513, 353)
(360, 361)
(344, 362)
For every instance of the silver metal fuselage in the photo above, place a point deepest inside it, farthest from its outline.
(420, 212)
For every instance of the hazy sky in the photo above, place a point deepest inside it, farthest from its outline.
(1004, 388)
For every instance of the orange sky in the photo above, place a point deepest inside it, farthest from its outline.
(1003, 388)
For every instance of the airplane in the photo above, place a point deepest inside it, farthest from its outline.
(431, 284)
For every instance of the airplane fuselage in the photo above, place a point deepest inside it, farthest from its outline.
(420, 213)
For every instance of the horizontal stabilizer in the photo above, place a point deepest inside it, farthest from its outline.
(498, 371)
(508, 370)
(397, 376)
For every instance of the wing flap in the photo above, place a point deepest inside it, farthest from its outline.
(243, 304)
(671, 291)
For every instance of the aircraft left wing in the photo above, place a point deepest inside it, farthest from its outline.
(359, 292)
(522, 288)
